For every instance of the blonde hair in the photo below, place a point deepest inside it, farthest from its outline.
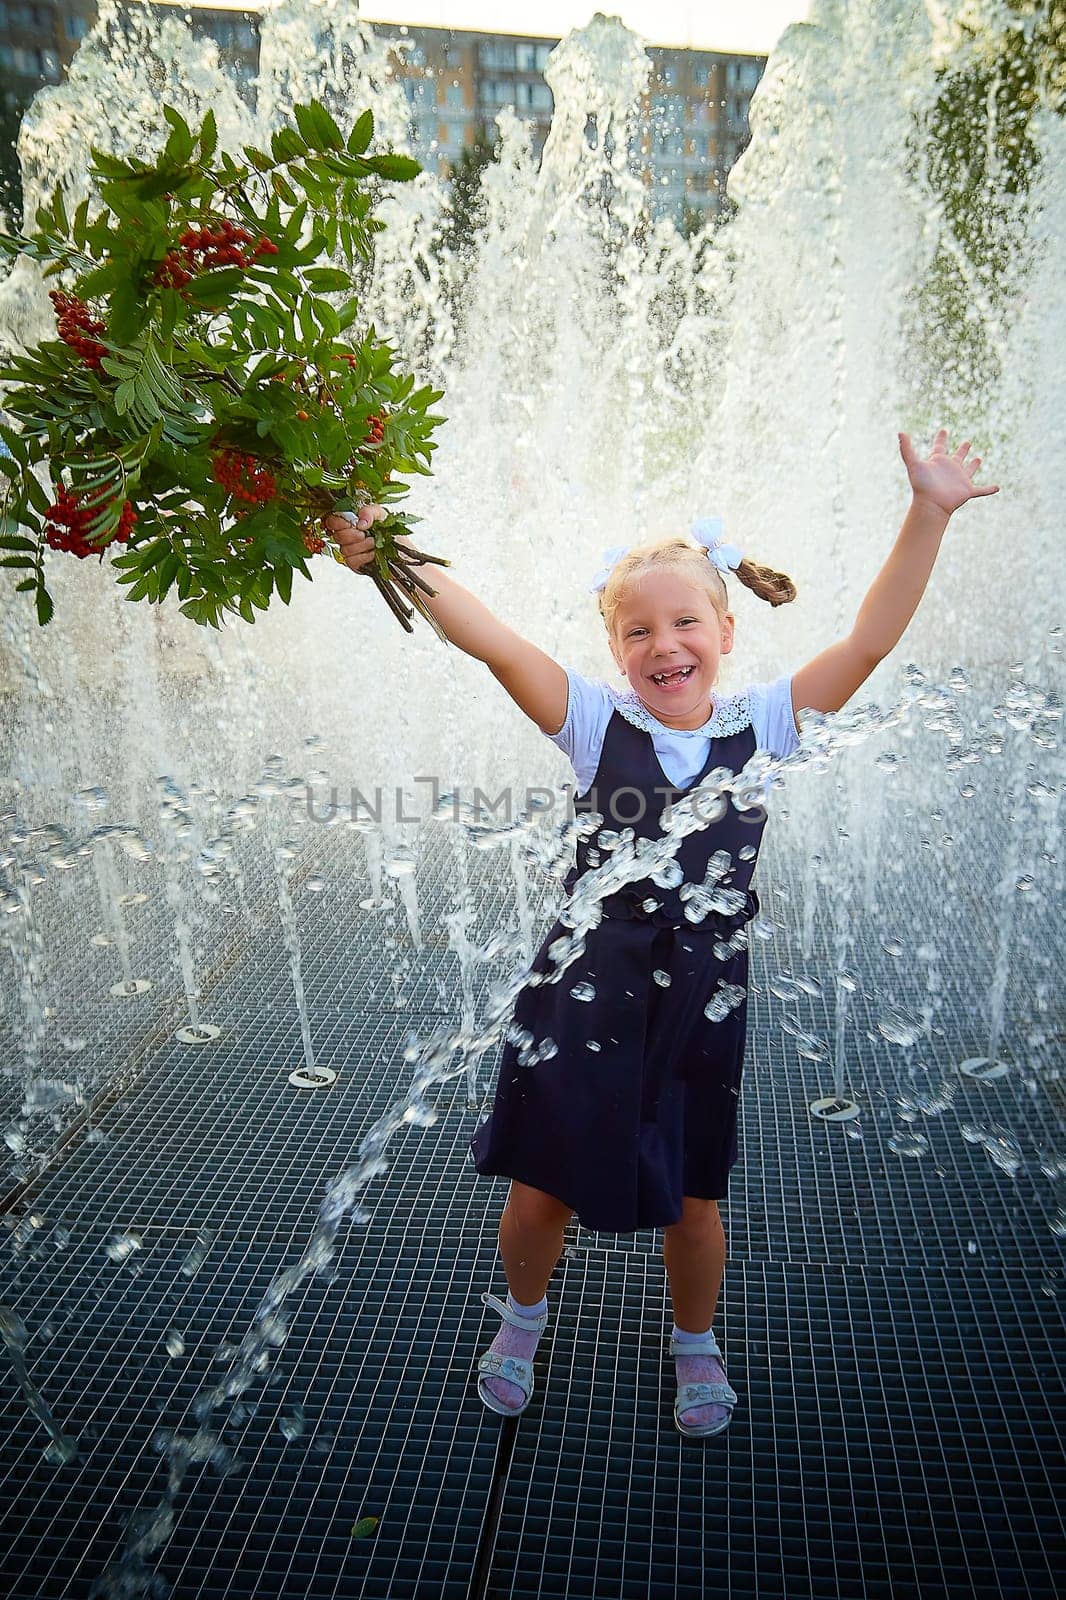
(690, 561)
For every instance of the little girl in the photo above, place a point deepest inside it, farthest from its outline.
(631, 1123)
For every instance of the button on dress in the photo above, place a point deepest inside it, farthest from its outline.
(638, 1106)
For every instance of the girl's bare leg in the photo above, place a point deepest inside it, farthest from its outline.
(531, 1242)
(694, 1253)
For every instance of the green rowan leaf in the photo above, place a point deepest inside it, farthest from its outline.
(229, 362)
(208, 136)
(325, 280)
(361, 134)
(397, 168)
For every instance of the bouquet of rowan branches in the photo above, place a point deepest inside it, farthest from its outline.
(210, 396)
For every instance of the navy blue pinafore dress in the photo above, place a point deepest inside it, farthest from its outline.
(638, 1106)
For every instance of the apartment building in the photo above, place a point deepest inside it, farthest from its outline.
(38, 40)
(695, 113)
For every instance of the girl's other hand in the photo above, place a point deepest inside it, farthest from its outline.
(353, 535)
(942, 480)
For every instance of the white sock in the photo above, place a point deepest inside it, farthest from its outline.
(527, 1311)
(688, 1338)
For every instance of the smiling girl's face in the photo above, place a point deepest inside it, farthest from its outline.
(668, 639)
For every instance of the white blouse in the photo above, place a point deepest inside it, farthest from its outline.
(682, 752)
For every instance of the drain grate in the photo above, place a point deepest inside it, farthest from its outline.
(866, 1293)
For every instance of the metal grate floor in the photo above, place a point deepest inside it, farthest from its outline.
(890, 1323)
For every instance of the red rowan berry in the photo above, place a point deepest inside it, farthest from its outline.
(67, 525)
(244, 477)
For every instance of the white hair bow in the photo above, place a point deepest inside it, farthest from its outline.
(706, 531)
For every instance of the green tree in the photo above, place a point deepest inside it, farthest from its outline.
(693, 220)
(977, 154)
(13, 103)
(466, 202)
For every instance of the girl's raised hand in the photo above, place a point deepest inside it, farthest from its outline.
(353, 536)
(943, 480)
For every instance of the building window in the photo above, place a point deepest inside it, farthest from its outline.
(456, 133)
(525, 57)
(494, 53)
(743, 75)
(701, 77)
(668, 72)
(543, 52)
(542, 97)
(455, 97)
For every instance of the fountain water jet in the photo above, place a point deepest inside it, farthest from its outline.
(621, 380)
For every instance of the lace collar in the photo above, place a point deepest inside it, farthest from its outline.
(730, 715)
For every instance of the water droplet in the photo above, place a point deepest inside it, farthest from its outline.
(315, 885)
(294, 1425)
(907, 1142)
(593, 1044)
(669, 875)
(888, 762)
(892, 946)
(583, 991)
(747, 852)
(420, 1116)
(1025, 883)
(810, 1047)
(900, 1026)
(175, 1343)
(723, 1001)
(847, 980)
(662, 978)
(122, 1245)
(61, 1451)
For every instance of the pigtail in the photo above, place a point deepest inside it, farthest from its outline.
(776, 587)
